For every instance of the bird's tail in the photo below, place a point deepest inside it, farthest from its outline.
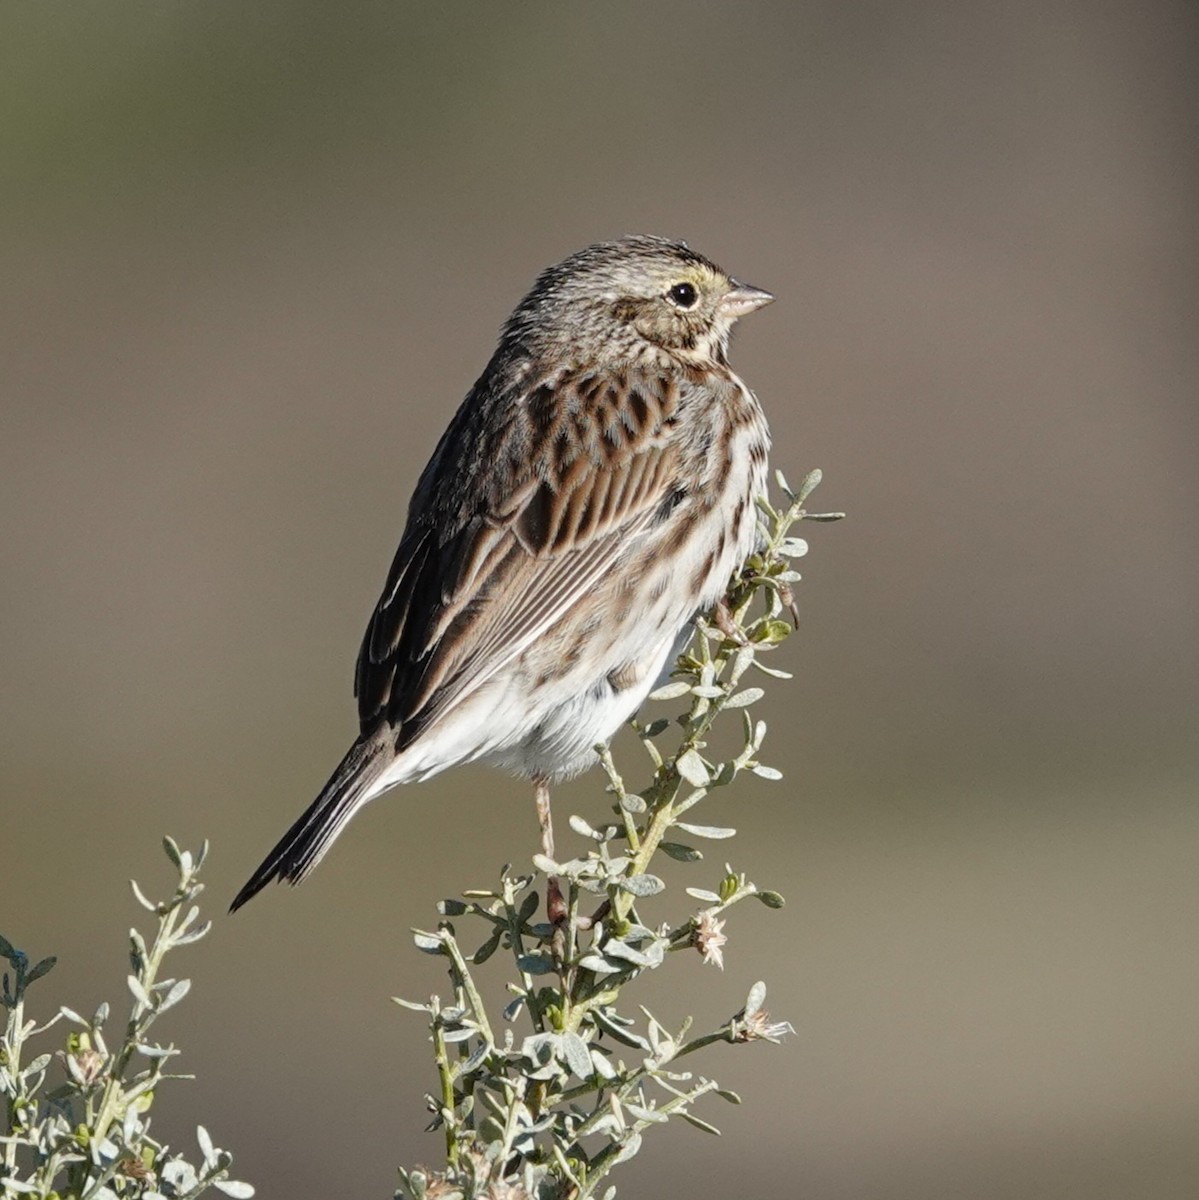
(306, 842)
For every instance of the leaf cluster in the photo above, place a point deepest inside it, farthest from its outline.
(549, 1112)
(88, 1137)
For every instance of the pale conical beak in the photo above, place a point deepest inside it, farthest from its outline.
(741, 299)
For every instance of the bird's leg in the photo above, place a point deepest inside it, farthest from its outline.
(555, 904)
(541, 793)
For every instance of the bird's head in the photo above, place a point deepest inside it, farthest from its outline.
(636, 299)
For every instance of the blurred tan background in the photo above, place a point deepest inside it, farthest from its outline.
(254, 255)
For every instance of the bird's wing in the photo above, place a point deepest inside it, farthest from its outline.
(519, 514)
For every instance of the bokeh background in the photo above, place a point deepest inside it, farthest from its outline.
(253, 256)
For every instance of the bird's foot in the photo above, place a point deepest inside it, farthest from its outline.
(722, 618)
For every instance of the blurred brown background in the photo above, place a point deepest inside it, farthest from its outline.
(253, 257)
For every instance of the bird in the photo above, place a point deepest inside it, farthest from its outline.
(595, 491)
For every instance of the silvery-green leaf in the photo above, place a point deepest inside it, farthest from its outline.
(726, 1094)
(646, 1114)
(177, 992)
(581, 827)
(755, 999)
(512, 1008)
(632, 803)
(173, 853)
(603, 1068)
(577, 1056)
(706, 831)
(40, 969)
(151, 1051)
(671, 691)
(628, 1148)
(771, 899)
(766, 772)
(535, 964)
(614, 948)
(71, 1015)
(656, 727)
(451, 907)
(793, 547)
(192, 935)
(428, 942)
(410, 1004)
(234, 1188)
(459, 1035)
(473, 1061)
(104, 1150)
(680, 852)
(528, 906)
(38, 1064)
(487, 949)
(692, 1119)
(611, 1024)
(691, 767)
(741, 699)
(140, 897)
(641, 885)
(703, 894)
(598, 965)
(207, 1149)
(546, 865)
(707, 693)
(139, 993)
(810, 483)
(773, 672)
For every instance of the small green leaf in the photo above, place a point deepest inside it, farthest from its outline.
(771, 899)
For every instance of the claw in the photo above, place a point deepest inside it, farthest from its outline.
(722, 618)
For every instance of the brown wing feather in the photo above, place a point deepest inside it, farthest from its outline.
(587, 465)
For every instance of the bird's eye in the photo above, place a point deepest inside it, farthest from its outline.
(684, 295)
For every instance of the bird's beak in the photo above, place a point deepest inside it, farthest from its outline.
(741, 299)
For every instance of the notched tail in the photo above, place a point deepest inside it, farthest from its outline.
(307, 841)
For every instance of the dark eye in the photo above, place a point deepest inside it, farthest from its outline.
(684, 295)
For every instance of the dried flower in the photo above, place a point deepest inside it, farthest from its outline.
(709, 937)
